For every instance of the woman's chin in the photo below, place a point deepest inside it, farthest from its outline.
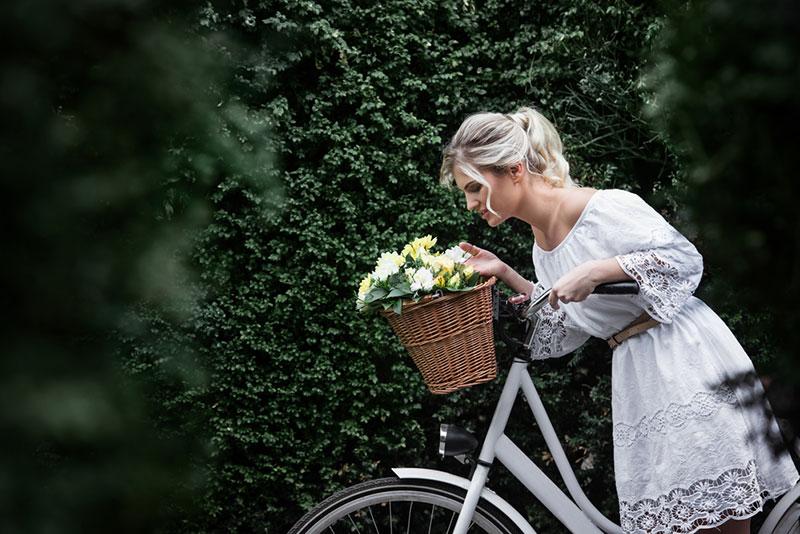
(494, 220)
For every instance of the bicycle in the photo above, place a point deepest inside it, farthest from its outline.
(446, 501)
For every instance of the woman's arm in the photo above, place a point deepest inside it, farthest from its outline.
(608, 270)
(515, 281)
(487, 264)
(579, 283)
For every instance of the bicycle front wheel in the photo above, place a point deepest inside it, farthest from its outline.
(391, 505)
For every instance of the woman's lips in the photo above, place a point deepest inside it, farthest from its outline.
(483, 213)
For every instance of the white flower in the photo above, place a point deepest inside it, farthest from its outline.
(423, 279)
(457, 254)
(442, 262)
(426, 257)
(387, 265)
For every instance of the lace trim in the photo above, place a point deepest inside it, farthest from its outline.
(550, 333)
(660, 283)
(736, 493)
(703, 405)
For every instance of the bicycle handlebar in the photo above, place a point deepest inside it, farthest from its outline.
(609, 288)
(504, 309)
(629, 287)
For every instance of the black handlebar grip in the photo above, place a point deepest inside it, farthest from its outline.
(617, 288)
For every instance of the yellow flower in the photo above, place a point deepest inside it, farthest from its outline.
(409, 250)
(364, 286)
(440, 281)
(468, 270)
(424, 242)
(418, 247)
(454, 281)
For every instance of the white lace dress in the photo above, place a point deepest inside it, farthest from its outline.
(682, 457)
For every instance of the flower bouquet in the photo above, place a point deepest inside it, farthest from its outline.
(441, 310)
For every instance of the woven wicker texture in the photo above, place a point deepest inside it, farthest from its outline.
(450, 338)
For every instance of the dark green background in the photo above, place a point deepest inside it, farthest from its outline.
(202, 186)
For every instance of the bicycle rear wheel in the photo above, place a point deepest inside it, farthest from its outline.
(391, 505)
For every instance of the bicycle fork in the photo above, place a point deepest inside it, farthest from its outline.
(498, 445)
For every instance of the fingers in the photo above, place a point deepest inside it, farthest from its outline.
(553, 299)
(468, 247)
(516, 299)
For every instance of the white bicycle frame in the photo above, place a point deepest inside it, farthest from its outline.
(578, 515)
(583, 517)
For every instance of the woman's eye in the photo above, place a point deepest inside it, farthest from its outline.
(475, 188)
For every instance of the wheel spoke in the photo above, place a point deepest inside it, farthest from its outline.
(354, 524)
(362, 505)
(430, 523)
(373, 521)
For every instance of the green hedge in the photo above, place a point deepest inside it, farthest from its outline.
(119, 125)
(303, 395)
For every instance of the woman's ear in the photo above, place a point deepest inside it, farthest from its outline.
(516, 173)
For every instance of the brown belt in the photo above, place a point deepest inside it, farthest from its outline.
(639, 325)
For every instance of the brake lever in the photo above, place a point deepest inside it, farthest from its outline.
(537, 304)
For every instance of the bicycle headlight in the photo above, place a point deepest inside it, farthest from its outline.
(454, 440)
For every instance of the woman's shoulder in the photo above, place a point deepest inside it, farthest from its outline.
(600, 206)
(576, 203)
(605, 199)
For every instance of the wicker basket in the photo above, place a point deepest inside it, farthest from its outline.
(450, 337)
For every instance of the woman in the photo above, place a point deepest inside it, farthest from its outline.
(682, 458)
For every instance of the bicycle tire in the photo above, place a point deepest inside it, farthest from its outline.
(343, 511)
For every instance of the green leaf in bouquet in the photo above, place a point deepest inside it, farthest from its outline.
(376, 293)
(402, 290)
(397, 307)
(396, 279)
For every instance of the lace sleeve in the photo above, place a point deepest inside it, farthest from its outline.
(666, 265)
(555, 334)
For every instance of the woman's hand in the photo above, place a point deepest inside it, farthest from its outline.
(484, 262)
(576, 285)
(487, 264)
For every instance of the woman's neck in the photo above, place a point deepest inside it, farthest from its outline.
(540, 207)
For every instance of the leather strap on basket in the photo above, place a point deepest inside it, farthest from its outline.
(639, 325)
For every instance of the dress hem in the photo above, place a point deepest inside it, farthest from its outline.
(763, 496)
(749, 515)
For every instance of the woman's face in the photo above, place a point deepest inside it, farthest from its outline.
(475, 193)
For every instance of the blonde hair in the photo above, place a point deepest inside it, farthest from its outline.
(498, 141)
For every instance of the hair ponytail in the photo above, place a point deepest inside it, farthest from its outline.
(544, 154)
(498, 141)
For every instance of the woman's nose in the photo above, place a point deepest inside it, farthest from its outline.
(472, 203)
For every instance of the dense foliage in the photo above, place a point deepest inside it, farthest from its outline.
(116, 132)
(305, 395)
(147, 144)
(727, 105)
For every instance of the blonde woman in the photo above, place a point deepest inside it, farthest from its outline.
(682, 458)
